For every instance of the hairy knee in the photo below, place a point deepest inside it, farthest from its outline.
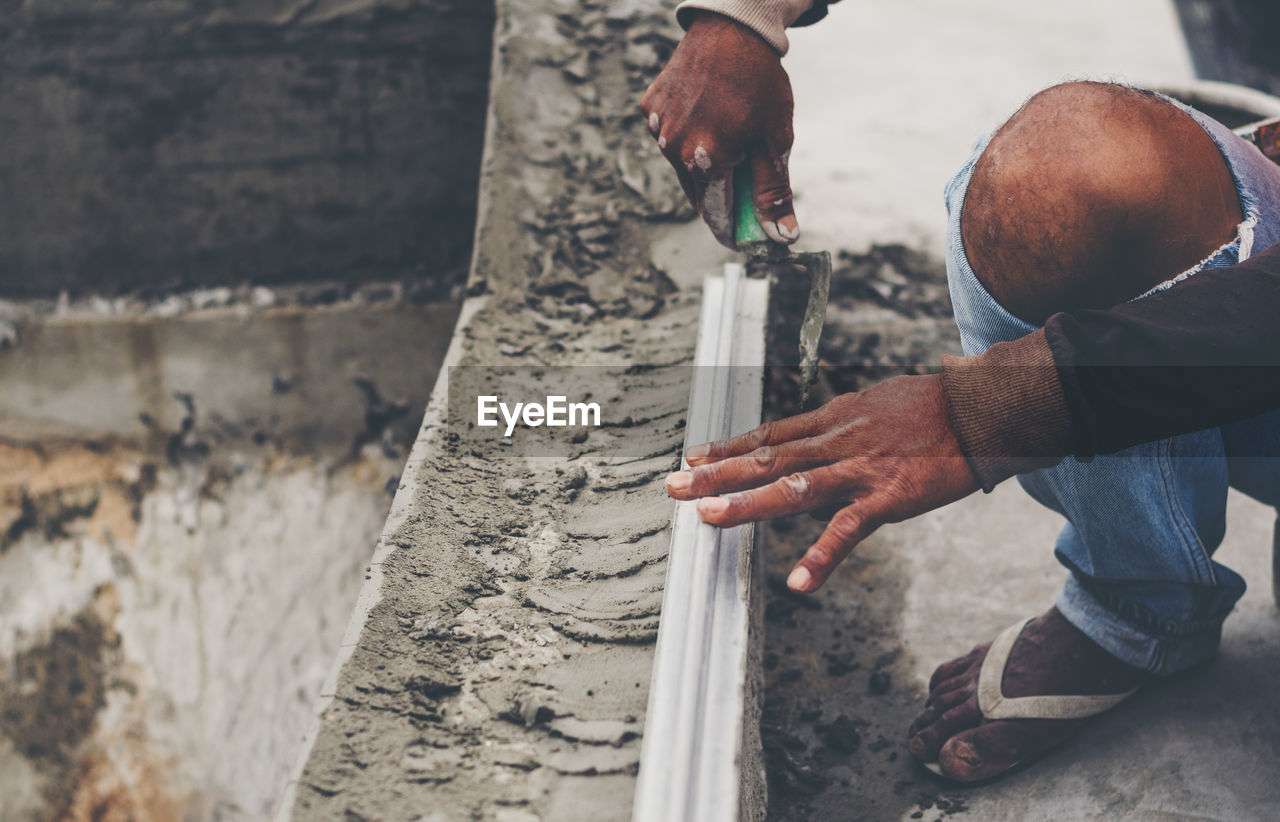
(1073, 201)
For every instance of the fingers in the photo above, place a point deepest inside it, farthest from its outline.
(706, 177)
(715, 201)
(798, 427)
(847, 528)
(771, 187)
(792, 494)
(704, 171)
(711, 174)
(764, 465)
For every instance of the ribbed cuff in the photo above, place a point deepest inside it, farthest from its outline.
(1008, 409)
(767, 18)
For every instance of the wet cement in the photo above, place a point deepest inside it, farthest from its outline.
(504, 670)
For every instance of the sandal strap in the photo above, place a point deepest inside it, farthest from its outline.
(995, 705)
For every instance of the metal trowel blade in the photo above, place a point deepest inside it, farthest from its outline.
(818, 265)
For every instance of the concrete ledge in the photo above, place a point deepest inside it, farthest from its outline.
(499, 662)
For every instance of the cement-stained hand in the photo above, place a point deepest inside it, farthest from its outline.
(724, 99)
(883, 455)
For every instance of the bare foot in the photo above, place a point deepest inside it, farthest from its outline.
(1050, 657)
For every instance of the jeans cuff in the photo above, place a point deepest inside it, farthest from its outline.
(1129, 644)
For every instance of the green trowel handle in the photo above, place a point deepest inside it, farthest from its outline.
(746, 228)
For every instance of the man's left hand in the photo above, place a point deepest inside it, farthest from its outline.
(883, 455)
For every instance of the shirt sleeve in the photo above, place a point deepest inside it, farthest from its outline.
(1202, 354)
(1008, 409)
(768, 18)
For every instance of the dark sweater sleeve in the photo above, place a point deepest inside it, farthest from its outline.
(815, 13)
(1201, 354)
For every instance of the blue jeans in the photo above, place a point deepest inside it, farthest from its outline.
(1143, 524)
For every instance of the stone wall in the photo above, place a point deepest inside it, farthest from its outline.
(158, 144)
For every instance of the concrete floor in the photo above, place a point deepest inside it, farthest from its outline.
(889, 99)
(1203, 745)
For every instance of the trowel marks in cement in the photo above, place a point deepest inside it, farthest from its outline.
(503, 673)
(512, 648)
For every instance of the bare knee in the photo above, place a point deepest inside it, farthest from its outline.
(1091, 194)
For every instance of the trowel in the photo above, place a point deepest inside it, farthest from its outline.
(779, 262)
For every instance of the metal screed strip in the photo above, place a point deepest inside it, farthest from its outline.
(693, 757)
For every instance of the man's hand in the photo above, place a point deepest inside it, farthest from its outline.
(883, 455)
(723, 99)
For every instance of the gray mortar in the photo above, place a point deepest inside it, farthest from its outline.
(503, 673)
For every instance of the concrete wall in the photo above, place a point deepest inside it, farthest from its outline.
(152, 144)
(172, 591)
(232, 240)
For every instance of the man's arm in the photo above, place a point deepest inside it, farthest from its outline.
(1204, 353)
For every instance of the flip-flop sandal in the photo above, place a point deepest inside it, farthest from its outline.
(995, 705)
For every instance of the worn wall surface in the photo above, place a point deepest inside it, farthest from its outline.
(164, 624)
(187, 506)
(165, 143)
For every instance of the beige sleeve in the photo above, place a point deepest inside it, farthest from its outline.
(768, 18)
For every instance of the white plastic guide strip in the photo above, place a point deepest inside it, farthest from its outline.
(692, 754)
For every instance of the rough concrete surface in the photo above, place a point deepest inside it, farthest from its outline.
(311, 378)
(184, 143)
(188, 493)
(164, 622)
(503, 670)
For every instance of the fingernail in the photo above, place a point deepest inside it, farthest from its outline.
(800, 579)
(697, 453)
(964, 751)
(789, 228)
(654, 122)
(771, 230)
(916, 746)
(679, 481)
(712, 506)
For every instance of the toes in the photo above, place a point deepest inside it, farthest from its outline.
(966, 680)
(957, 666)
(989, 750)
(937, 705)
(925, 743)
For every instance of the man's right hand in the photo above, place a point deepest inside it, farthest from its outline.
(723, 99)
